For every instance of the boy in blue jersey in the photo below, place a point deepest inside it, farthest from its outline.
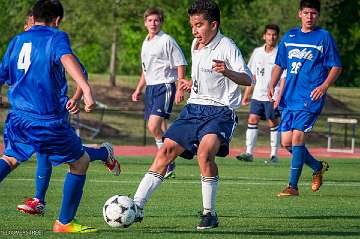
(36, 205)
(34, 68)
(311, 59)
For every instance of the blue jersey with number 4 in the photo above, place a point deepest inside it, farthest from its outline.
(307, 57)
(32, 68)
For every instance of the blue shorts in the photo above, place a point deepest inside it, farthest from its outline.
(24, 135)
(264, 109)
(159, 100)
(196, 121)
(298, 120)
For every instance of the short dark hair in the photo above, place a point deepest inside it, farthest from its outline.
(208, 8)
(310, 4)
(47, 10)
(274, 27)
(154, 11)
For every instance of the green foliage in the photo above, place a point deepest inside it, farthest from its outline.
(90, 25)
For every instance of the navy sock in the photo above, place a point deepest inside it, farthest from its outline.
(5, 169)
(97, 154)
(297, 163)
(43, 174)
(72, 193)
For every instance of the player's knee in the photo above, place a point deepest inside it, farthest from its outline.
(11, 161)
(81, 165)
(288, 147)
(253, 121)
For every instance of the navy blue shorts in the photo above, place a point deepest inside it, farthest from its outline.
(196, 121)
(159, 100)
(24, 135)
(264, 109)
(298, 120)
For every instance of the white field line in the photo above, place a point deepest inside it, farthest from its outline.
(235, 182)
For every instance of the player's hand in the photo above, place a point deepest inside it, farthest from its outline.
(245, 101)
(89, 102)
(318, 92)
(219, 66)
(179, 96)
(277, 101)
(270, 93)
(136, 96)
(185, 85)
(73, 106)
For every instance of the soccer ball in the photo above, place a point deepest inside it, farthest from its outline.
(119, 211)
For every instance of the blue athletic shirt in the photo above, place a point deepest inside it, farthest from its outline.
(32, 68)
(307, 57)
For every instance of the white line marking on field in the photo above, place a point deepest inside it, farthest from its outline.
(269, 182)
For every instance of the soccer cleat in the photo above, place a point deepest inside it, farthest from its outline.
(273, 159)
(318, 176)
(112, 164)
(245, 157)
(72, 227)
(288, 192)
(32, 206)
(208, 221)
(170, 171)
(139, 214)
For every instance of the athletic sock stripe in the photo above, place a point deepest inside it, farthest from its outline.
(157, 175)
(209, 179)
(274, 128)
(252, 126)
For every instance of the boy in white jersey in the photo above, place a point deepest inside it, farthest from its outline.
(162, 64)
(206, 123)
(312, 61)
(261, 64)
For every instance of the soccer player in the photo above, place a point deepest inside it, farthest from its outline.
(206, 124)
(163, 63)
(261, 64)
(311, 59)
(36, 205)
(37, 122)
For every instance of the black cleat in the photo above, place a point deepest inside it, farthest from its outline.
(208, 221)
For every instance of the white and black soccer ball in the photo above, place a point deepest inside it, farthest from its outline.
(119, 211)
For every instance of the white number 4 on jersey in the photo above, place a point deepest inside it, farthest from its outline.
(24, 57)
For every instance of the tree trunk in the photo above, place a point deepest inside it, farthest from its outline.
(113, 59)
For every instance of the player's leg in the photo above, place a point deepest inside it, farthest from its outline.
(7, 164)
(208, 148)
(155, 176)
(105, 153)
(274, 139)
(36, 205)
(155, 127)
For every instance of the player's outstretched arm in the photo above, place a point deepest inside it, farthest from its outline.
(319, 91)
(248, 92)
(141, 84)
(237, 77)
(73, 68)
(275, 76)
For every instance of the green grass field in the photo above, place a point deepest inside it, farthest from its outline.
(247, 204)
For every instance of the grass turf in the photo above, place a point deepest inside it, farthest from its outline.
(247, 204)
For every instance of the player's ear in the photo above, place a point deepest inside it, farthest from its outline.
(214, 25)
(57, 21)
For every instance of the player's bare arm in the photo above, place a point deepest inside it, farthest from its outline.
(275, 77)
(73, 68)
(248, 92)
(319, 91)
(237, 77)
(179, 96)
(278, 98)
(141, 84)
(73, 104)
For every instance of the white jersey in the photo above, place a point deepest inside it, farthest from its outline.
(261, 64)
(210, 87)
(160, 58)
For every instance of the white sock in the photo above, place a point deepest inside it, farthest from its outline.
(251, 136)
(209, 187)
(159, 143)
(274, 141)
(147, 186)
